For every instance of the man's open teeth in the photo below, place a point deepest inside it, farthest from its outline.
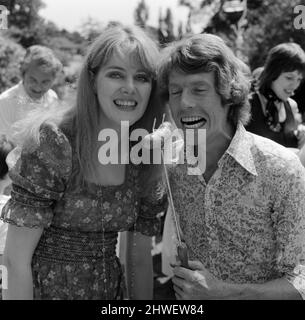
(125, 103)
(193, 122)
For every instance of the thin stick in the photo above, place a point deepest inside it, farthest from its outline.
(171, 201)
(154, 125)
(163, 118)
(169, 188)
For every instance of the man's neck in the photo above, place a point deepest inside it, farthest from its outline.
(216, 146)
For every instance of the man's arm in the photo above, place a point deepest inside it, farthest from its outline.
(279, 289)
(200, 284)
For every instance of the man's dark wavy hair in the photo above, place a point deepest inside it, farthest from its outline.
(209, 53)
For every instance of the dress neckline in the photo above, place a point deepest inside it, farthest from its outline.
(128, 173)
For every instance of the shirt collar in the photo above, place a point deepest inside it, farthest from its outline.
(240, 149)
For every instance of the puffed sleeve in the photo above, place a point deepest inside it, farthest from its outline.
(39, 177)
(153, 201)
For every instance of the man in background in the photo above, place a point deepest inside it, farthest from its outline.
(39, 69)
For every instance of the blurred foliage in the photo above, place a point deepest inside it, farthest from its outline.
(267, 24)
(141, 14)
(91, 28)
(11, 54)
(194, 4)
(25, 24)
(166, 27)
(23, 13)
(26, 28)
(27, 36)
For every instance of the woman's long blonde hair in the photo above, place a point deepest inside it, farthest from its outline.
(83, 116)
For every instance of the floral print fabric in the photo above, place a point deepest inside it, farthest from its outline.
(75, 257)
(247, 224)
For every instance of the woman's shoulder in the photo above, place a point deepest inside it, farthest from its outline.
(50, 146)
(43, 160)
(54, 135)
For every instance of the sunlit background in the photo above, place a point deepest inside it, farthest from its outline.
(250, 27)
(71, 14)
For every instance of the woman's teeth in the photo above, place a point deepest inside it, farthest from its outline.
(125, 104)
(193, 122)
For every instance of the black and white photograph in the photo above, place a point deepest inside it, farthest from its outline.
(152, 150)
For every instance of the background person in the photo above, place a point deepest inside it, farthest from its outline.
(38, 69)
(274, 114)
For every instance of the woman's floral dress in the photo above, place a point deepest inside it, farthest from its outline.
(75, 257)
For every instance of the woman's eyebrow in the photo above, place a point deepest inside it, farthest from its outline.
(115, 67)
(123, 69)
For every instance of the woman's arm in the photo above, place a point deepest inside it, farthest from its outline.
(139, 270)
(39, 175)
(20, 245)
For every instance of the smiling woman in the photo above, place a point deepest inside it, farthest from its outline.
(274, 114)
(123, 89)
(67, 208)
